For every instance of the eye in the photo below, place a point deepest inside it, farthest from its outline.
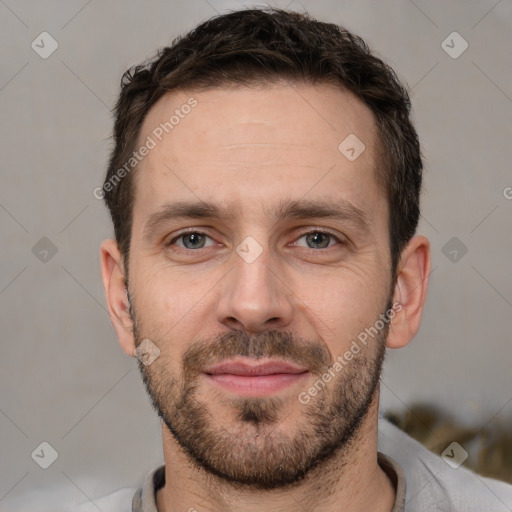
(192, 240)
(317, 239)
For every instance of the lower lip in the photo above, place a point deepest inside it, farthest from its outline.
(256, 385)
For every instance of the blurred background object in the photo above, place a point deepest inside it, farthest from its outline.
(490, 447)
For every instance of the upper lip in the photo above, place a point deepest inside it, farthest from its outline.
(248, 368)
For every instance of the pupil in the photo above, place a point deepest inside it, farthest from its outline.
(193, 236)
(315, 239)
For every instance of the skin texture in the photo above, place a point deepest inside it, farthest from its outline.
(304, 298)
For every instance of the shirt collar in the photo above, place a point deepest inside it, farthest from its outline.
(144, 499)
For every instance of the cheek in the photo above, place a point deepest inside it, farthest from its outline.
(170, 306)
(342, 306)
(165, 291)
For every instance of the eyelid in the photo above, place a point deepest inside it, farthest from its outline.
(320, 230)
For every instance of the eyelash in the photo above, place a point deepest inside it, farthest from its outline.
(193, 231)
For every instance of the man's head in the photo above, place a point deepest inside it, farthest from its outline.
(268, 232)
(258, 47)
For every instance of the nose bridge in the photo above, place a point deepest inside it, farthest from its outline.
(252, 296)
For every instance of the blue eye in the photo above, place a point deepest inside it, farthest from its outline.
(315, 239)
(319, 239)
(192, 240)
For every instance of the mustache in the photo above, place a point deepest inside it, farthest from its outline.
(270, 344)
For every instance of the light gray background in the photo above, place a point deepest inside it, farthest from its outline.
(64, 378)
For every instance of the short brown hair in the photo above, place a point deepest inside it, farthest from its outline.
(261, 46)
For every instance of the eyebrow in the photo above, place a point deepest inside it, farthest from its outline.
(339, 209)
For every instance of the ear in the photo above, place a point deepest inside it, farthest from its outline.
(410, 291)
(113, 275)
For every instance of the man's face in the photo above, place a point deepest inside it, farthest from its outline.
(268, 280)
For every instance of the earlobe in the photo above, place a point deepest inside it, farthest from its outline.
(410, 291)
(114, 283)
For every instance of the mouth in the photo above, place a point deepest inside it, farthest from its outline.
(244, 376)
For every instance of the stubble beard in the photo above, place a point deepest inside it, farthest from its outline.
(251, 450)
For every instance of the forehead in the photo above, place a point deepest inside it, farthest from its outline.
(315, 116)
(232, 144)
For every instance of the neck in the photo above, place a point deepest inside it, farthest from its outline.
(351, 481)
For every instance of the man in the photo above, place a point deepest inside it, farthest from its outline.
(264, 190)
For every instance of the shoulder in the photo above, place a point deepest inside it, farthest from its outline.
(128, 499)
(431, 482)
(117, 501)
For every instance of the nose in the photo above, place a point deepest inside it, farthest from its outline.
(254, 297)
